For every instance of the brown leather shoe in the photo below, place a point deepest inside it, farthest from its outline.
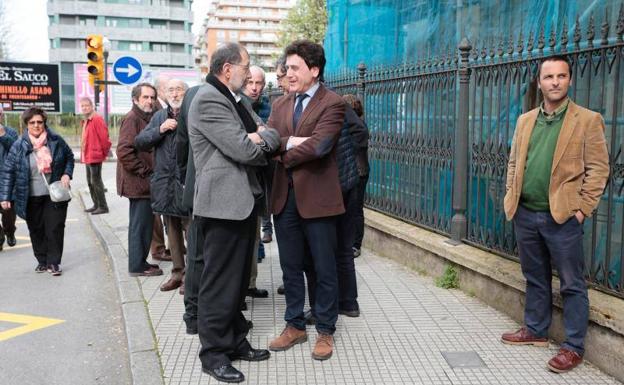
(171, 284)
(290, 337)
(523, 336)
(324, 347)
(564, 361)
(161, 256)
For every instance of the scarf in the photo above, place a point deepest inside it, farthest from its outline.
(42, 152)
(248, 121)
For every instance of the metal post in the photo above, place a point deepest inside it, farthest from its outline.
(106, 87)
(361, 87)
(460, 161)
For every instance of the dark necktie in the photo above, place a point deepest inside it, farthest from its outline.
(298, 110)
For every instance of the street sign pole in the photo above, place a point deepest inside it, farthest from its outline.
(106, 87)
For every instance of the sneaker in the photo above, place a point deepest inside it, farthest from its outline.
(41, 268)
(55, 270)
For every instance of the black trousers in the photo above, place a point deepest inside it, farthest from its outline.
(8, 223)
(141, 223)
(46, 224)
(358, 211)
(222, 327)
(194, 269)
(345, 267)
(96, 186)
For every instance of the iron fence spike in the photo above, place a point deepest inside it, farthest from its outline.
(604, 30)
(591, 31)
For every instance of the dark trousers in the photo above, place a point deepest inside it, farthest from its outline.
(293, 232)
(358, 211)
(194, 269)
(222, 327)
(542, 242)
(8, 223)
(140, 227)
(176, 228)
(345, 268)
(96, 186)
(46, 224)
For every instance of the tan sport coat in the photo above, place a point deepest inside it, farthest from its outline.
(580, 164)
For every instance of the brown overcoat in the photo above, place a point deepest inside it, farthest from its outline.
(580, 163)
(313, 163)
(134, 167)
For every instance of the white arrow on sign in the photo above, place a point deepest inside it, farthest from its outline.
(130, 70)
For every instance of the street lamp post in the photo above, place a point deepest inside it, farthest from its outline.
(107, 46)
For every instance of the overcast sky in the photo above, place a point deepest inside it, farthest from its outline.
(28, 27)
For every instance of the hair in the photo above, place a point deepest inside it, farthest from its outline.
(261, 71)
(280, 64)
(184, 85)
(554, 58)
(355, 103)
(136, 90)
(311, 53)
(86, 99)
(32, 111)
(226, 53)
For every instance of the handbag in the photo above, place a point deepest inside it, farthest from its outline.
(58, 192)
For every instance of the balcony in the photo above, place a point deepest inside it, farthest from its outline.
(238, 3)
(75, 7)
(117, 33)
(153, 59)
(257, 39)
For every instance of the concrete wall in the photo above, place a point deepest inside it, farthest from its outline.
(498, 282)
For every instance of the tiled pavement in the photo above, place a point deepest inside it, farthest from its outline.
(407, 323)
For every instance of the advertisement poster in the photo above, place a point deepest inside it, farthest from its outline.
(24, 85)
(119, 99)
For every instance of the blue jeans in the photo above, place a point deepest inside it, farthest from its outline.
(542, 241)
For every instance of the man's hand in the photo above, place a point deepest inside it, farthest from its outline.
(257, 139)
(261, 128)
(297, 140)
(580, 217)
(65, 181)
(2, 130)
(168, 125)
(5, 205)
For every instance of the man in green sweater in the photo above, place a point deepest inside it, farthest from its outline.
(557, 171)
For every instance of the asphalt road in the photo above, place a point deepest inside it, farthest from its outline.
(89, 345)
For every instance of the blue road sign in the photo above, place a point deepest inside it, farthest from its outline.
(127, 70)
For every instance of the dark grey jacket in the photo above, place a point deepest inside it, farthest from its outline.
(225, 179)
(184, 157)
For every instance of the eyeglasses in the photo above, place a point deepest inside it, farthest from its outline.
(33, 122)
(176, 89)
(245, 67)
(280, 77)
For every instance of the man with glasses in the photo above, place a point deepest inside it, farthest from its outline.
(230, 143)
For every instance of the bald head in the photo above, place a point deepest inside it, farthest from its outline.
(161, 86)
(255, 83)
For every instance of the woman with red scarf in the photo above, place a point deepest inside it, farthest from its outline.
(39, 153)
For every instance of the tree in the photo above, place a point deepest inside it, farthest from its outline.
(306, 20)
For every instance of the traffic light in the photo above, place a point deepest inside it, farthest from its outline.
(95, 59)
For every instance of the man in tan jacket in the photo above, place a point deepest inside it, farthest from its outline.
(558, 168)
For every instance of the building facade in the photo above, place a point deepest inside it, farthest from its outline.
(253, 23)
(156, 32)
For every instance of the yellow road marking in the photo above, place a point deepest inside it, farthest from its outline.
(30, 324)
(19, 246)
(23, 222)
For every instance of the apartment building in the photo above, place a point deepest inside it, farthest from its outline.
(156, 32)
(253, 23)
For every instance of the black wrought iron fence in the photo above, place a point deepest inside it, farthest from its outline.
(441, 130)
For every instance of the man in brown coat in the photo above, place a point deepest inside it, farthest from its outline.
(558, 168)
(306, 195)
(133, 171)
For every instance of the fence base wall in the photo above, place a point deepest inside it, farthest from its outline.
(498, 282)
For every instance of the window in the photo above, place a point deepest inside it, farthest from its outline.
(68, 43)
(159, 47)
(53, 43)
(67, 19)
(135, 46)
(86, 21)
(234, 35)
(158, 24)
(121, 45)
(177, 48)
(123, 22)
(176, 26)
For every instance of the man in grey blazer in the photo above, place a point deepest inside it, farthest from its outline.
(229, 144)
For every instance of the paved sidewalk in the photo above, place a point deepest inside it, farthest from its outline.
(407, 328)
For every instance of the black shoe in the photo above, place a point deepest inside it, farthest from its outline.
(41, 268)
(249, 324)
(252, 355)
(191, 330)
(99, 210)
(90, 210)
(350, 313)
(244, 306)
(309, 318)
(356, 252)
(11, 241)
(281, 290)
(257, 293)
(225, 373)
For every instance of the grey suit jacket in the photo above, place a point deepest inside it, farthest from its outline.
(225, 158)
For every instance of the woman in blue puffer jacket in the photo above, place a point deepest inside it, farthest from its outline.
(38, 153)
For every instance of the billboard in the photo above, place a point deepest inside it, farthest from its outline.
(24, 85)
(119, 100)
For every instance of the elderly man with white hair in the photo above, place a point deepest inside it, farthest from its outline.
(8, 136)
(166, 188)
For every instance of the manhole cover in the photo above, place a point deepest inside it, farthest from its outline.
(463, 360)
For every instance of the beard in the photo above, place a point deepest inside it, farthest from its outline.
(175, 104)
